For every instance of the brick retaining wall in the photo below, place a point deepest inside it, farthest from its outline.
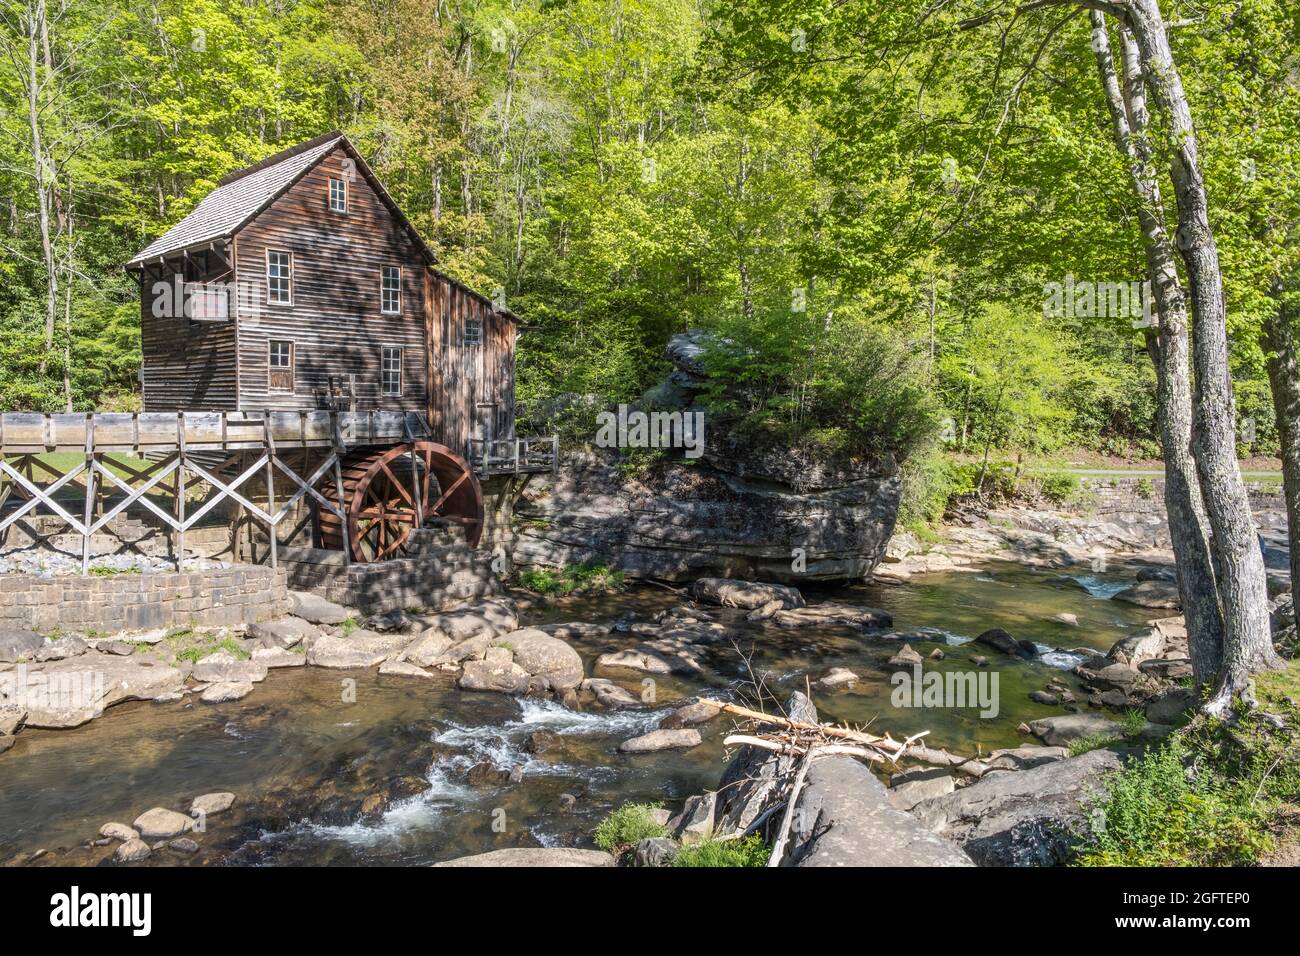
(227, 596)
(1146, 493)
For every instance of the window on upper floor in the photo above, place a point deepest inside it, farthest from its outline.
(338, 195)
(390, 298)
(279, 277)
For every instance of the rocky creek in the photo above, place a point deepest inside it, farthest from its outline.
(355, 766)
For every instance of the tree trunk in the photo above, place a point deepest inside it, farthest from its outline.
(36, 30)
(1284, 382)
(1243, 593)
(1168, 348)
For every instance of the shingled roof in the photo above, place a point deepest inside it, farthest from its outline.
(241, 195)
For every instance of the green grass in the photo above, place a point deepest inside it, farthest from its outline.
(1091, 742)
(570, 579)
(100, 572)
(750, 851)
(627, 826)
(1213, 794)
(348, 626)
(190, 646)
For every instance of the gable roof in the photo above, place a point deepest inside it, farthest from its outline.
(241, 195)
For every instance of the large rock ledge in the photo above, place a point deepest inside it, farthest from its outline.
(681, 522)
(1024, 817)
(844, 818)
(740, 510)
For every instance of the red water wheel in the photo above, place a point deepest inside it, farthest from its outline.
(389, 491)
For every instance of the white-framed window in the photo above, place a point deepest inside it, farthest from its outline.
(473, 332)
(390, 370)
(279, 362)
(338, 195)
(390, 290)
(279, 277)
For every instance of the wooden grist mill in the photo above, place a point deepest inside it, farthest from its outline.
(311, 381)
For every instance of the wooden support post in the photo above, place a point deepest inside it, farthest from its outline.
(180, 491)
(89, 512)
(339, 449)
(270, 484)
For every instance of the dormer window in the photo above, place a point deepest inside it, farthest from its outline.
(338, 195)
(390, 293)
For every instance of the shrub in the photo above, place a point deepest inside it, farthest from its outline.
(750, 851)
(1168, 810)
(570, 579)
(627, 826)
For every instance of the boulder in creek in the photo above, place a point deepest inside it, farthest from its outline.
(906, 657)
(1062, 730)
(403, 669)
(162, 824)
(315, 609)
(132, 851)
(765, 612)
(610, 695)
(697, 712)
(1142, 646)
(844, 817)
(1025, 818)
(1120, 677)
(1157, 574)
(542, 655)
(225, 691)
(428, 648)
(489, 619)
(831, 613)
(648, 660)
(284, 633)
(657, 740)
(11, 718)
(1162, 668)
(576, 630)
(18, 644)
(224, 667)
(838, 677)
(534, 856)
(1000, 640)
(503, 677)
(183, 845)
(1150, 594)
(278, 657)
(210, 804)
(72, 691)
(1044, 697)
(118, 831)
(1066, 618)
(910, 787)
(360, 649)
(749, 595)
(655, 851)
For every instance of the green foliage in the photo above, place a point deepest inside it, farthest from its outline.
(749, 851)
(570, 579)
(1092, 742)
(625, 827)
(1168, 810)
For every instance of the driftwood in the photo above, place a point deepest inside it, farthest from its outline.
(875, 746)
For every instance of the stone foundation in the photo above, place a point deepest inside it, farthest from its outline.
(437, 571)
(231, 596)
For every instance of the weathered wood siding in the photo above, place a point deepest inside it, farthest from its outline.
(335, 320)
(473, 386)
(186, 365)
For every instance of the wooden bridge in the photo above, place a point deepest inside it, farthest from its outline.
(142, 459)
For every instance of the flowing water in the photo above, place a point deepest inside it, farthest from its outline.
(307, 748)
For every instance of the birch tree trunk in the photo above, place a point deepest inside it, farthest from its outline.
(1243, 593)
(1168, 348)
(34, 82)
(1284, 383)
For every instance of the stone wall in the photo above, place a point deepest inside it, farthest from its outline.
(1145, 494)
(230, 596)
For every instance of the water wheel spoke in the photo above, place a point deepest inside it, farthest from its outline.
(437, 505)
